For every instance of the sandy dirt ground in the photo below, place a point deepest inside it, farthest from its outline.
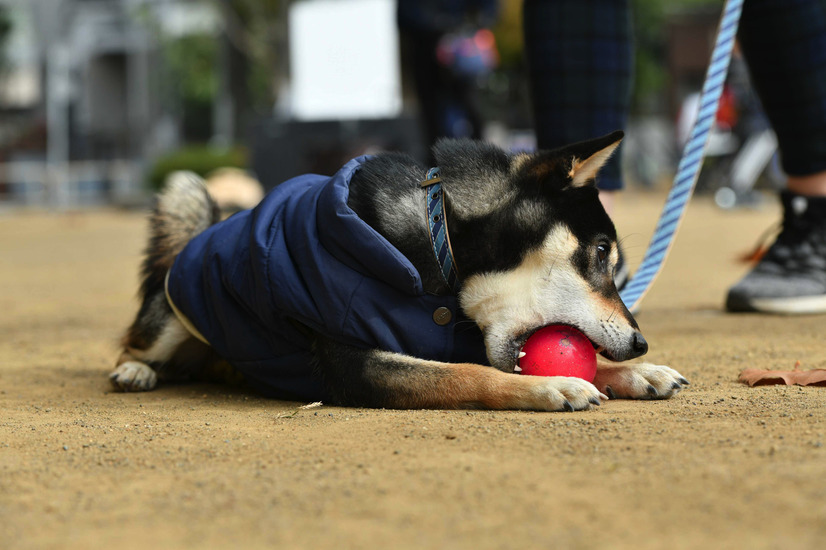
(720, 465)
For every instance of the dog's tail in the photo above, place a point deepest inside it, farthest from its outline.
(183, 209)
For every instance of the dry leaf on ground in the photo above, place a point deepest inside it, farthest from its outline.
(764, 377)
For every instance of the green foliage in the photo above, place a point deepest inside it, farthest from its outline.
(650, 43)
(201, 159)
(508, 32)
(256, 30)
(192, 60)
(261, 35)
(5, 23)
(5, 31)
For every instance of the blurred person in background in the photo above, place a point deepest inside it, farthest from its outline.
(448, 45)
(579, 55)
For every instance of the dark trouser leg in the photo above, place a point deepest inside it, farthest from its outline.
(580, 59)
(784, 42)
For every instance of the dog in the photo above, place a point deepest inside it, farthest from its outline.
(390, 285)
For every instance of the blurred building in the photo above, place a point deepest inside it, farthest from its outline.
(89, 98)
(81, 96)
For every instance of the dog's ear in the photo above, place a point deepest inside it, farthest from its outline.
(572, 166)
(587, 157)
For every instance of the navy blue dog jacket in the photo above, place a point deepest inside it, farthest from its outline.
(251, 285)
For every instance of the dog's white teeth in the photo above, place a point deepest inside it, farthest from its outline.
(517, 368)
(522, 354)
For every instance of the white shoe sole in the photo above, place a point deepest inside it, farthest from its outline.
(800, 305)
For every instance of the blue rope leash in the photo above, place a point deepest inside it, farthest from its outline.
(691, 161)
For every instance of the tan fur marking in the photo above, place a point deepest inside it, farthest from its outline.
(574, 167)
(583, 171)
(453, 386)
(518, 161)
(543, 169)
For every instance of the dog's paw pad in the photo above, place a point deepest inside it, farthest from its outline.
(133, 376)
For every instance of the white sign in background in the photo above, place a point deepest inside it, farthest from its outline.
(344, 60)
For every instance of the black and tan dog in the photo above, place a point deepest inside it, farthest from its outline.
(502, 244)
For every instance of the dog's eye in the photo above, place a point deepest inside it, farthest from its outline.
(602, 252)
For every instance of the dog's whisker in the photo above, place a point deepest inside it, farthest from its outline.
(611, 317)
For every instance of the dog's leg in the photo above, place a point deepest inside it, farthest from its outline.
(638, 381)
(133, 371)
(375, 378)
(158, 347)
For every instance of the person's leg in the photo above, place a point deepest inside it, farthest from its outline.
(580, 59)
(812, 184)
(784, 42)
(428, 82)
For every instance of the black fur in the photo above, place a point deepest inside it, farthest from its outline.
(161, 249)
(151, 319)
(384, 182)
(358, 376)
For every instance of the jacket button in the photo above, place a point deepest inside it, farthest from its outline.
(442, 316)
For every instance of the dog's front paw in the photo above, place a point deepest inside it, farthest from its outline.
(639, 381)
(134, 376)
(561, 393)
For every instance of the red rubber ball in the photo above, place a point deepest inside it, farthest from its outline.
(559, 350)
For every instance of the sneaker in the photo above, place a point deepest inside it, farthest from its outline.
(791, 277)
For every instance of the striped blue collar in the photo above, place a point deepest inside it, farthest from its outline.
(437, 224)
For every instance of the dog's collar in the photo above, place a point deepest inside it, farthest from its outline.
(437, 226)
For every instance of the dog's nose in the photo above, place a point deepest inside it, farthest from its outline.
(639, 344)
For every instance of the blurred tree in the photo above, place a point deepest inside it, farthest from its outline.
(261, 32)
(5, 31)
(192, 79)
(192, 60)
(201, 159)
(249, 62)
(508, 32)
(651, 71)
(241, 66)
